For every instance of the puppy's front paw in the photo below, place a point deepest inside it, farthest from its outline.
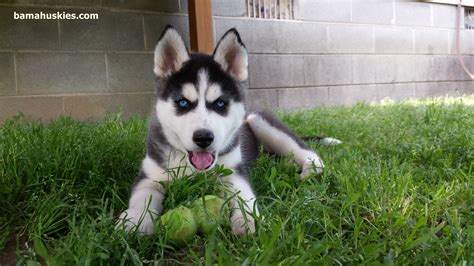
(131, 218)
(312, 166)
(241, 225)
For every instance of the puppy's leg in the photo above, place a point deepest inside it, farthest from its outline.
(146, 201)
(277, 138)
(243, 204)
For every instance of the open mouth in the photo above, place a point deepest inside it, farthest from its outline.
(201, 160)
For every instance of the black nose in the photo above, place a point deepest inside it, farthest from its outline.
(203, 138)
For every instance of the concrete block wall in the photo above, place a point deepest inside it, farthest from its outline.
(334, 52)
(348, 51)
(80, 68)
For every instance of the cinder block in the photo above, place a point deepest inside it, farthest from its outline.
(266, 99)
(444, 16)
(27, 34)
(295, 99)
(467, 42)
(130, 72)
(395, 68)
(386, 70)
(328, 70)
(394, 40)
(439, 89)
(111, 32)
(65, 72)
(84, 3)
(350, 39)
(268, 71)
(411, 13)
(155, 24)
(170, 6)
(259, 36)
(462, 88)
(98, 106)
(228, 8)
(422, 66)
(428, 41)
(402, 68)
(7, 74)
(323, 10)
(183, 6)
(36, 107)
(396, 92)
(349, 95)
(372, 11)
(364, 68)
(429, 89)
(221, 8)
(447, 68)
(301, 37)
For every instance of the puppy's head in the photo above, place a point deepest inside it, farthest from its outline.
(200, 100)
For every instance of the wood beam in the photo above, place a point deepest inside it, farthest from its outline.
(200, 26)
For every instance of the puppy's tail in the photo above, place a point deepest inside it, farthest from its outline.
(323, 141)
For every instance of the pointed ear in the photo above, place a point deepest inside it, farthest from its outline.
(232, 55)
(170, 53)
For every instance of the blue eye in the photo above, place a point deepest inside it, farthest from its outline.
(220, 103)
(183, 103)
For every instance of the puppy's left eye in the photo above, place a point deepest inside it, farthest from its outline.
(219, 103)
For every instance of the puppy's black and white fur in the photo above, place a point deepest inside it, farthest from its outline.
(200, 120)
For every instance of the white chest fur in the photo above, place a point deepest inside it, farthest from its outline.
(231, 159)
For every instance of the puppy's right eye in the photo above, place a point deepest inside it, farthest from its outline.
(183, 104)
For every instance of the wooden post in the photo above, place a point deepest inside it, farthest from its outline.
(200, 26)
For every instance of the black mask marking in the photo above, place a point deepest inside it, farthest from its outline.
(171, 88)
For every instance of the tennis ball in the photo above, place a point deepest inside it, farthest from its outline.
(179, 225)
(208, 212)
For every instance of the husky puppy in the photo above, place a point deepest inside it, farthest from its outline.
(200, 120)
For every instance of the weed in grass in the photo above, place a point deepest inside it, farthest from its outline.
(398, 191)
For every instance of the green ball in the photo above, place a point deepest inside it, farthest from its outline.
(179, 225)
(208, 212)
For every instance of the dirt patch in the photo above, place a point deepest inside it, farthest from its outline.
(16, 242)
(8, 254)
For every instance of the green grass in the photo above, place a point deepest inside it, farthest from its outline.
(400, 190)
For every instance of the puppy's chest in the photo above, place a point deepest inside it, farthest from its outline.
(232, 159)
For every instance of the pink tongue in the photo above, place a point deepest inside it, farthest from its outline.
(201, 159)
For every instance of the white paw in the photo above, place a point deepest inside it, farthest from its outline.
(312, 166)
(131, 218)
(242, 226)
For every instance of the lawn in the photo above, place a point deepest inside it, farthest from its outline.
(400, 190)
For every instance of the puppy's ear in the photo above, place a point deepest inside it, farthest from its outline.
(232, 55)
(170, 53)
